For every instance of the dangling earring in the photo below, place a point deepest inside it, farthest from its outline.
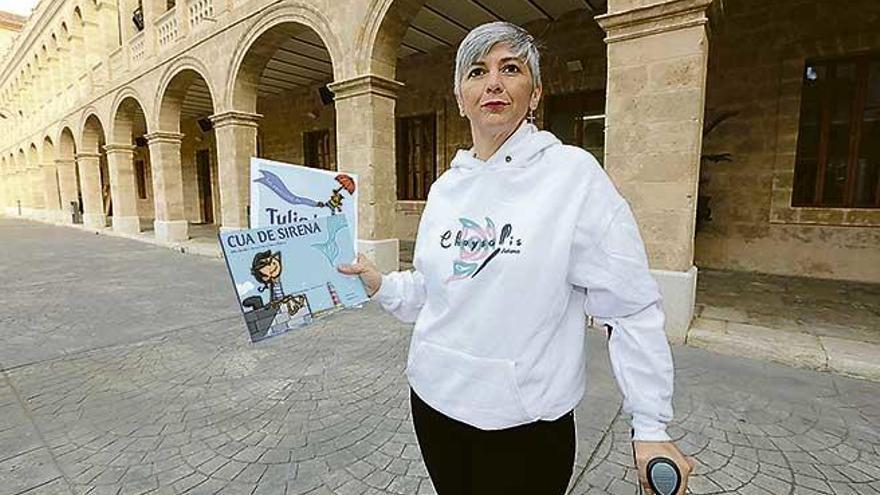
(532, 116)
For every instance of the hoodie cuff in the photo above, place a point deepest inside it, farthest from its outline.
(385, 294)
(646, 429)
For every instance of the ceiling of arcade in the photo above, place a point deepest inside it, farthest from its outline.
(303, 61)
(442, 24)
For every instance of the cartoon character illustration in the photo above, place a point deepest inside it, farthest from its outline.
(266, 268)
(335, 201)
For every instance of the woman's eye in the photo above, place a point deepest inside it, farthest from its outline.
(476, 72)
(511, 68)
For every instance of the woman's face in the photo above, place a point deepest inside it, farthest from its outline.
(496, 92)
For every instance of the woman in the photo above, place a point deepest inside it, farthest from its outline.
(518, 240)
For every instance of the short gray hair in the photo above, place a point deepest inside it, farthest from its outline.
(482, 38)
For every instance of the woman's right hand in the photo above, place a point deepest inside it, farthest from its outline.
(367, 271)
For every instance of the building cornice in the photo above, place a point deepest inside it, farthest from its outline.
(660, 17)
(164, 137)
(234, 117)
(366, 84)
(119, 148)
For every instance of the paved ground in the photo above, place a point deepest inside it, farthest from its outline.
(126, 370)
(816, 324)
(825, 308)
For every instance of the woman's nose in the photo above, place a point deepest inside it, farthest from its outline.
(493, 84)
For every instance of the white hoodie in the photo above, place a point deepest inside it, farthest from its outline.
(510, 254)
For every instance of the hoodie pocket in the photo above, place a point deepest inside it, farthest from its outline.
(479, 391)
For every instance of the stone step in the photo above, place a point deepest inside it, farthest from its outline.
(847, 357)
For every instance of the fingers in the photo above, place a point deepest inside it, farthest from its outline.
(362, 265)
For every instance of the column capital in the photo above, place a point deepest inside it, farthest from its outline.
(64, 161)
(86, 155)
(667, 15)
(366, 84)
(119, 148)
(164, 137)
(234, 117)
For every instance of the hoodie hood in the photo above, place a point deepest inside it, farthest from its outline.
(518, 151)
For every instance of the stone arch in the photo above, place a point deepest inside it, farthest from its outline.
(93, 172)
(92, 132)
(121, 114)
(17, 162)
(185, 101)
(47, 152)
(128, 159)
(265, 34)
(68, 177)
(378, 43)
(66, 142)
(172, 91)
(51, 185)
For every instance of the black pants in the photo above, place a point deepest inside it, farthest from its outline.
(532, 459)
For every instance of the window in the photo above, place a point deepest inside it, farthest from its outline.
(838, 150)
(316, 149)
(416, 156)
(578, 119)
(140, 175)
(137, 17)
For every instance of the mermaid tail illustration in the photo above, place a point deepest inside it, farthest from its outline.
(329, 247)
(276, 185)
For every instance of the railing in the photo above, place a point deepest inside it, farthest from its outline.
(199, 12)
(136, 48)
(167, 28)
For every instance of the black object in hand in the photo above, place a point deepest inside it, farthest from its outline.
(663, 476)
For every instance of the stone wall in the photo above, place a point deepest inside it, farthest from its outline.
(758, 51)
(287, 117)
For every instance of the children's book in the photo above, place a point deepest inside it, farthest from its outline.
(285, 194)
(285, 275)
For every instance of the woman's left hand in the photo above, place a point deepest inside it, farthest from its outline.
(645, 451)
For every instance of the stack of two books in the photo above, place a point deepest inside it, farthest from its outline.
(284, 269)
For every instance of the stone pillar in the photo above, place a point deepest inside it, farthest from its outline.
(657, 59)
(89, 165)
(4, 191)
(236, 137)
(51, 201)
(365, 133)
(67, 187)
(123, 188)
(35, 187)
(170, 223)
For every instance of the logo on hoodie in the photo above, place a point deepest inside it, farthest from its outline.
(477, 246)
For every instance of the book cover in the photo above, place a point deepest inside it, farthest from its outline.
(285, 276)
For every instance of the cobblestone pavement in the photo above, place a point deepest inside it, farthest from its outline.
(178, 401)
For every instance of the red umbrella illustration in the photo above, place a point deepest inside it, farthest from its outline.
(345, 182)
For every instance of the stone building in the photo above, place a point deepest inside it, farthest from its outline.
(744, 133)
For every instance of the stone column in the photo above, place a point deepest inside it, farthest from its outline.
(51, 201)
(123, 188)
(4, 191)
(89, 165)
(67, 187)
(366, 140)
(170, 223)
(35, 185)
(657, 59)
(236, 137)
